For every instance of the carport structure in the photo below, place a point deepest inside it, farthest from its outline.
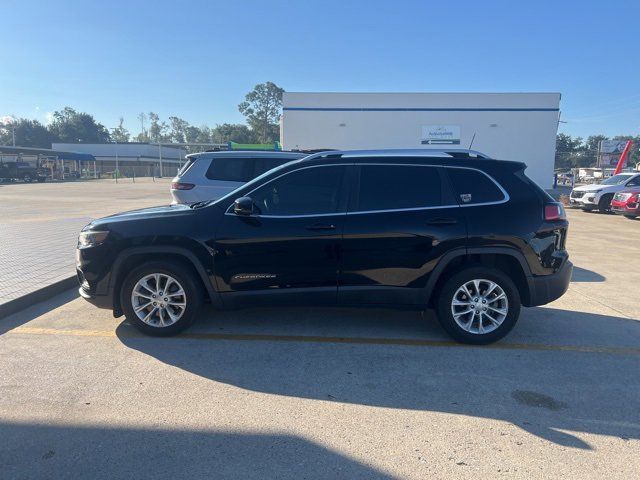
(54, 158)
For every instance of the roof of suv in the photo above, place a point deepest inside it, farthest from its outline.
(418, 156)
(249, 153)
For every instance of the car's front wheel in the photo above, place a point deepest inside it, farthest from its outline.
(478, 305)
(160, 298)
(631, 217)
(604, 205)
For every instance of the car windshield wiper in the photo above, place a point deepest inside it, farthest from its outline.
(200, 204)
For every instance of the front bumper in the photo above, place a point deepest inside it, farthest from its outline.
(100, 301)
(547, 288)
(623, 208)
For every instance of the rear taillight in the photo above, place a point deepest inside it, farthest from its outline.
(181, 186)
(554, 211)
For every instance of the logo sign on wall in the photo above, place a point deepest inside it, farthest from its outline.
(440, 135)
(609, 153)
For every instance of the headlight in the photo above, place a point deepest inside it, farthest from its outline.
(91, 238)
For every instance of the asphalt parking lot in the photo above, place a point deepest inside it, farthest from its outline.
(335, 393)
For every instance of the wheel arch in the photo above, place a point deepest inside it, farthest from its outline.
(135, 256)
(506, 259)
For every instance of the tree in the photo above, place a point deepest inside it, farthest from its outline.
(262, 107)
(71, 126)
(568, 150)
(29, 133)
(120, 134)
(158, 131)
(228, 132)
(178, 132)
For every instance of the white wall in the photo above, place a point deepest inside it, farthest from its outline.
(507, 126)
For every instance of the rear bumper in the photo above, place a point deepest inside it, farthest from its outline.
(547, 288)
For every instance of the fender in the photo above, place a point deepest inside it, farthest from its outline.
(449, 256)
(160, 249)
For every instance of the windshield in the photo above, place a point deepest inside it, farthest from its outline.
(255, 181)
(616, 180)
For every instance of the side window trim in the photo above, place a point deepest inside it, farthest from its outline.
(505, 195)
(342, 204)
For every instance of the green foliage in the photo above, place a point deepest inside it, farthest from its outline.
(29, 133)
(71, 126)
(158, 130)
(228, 132)
(262, 107)
(120, 134)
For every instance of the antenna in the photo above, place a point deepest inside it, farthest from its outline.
(470, 144)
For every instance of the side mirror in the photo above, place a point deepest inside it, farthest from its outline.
(243, 206)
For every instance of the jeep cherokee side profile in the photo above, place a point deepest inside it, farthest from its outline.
(473, 238)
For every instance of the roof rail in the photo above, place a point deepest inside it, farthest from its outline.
(421, 152)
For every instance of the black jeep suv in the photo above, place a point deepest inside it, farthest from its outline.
(472, 237)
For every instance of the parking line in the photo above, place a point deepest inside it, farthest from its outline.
(321, 339)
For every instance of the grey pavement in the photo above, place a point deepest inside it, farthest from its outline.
(331, 393)
(39, 226)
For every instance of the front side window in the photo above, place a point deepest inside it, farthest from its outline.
(396, 187)
(473, 187)
(308, 191)
(233, 169)
(615, 180)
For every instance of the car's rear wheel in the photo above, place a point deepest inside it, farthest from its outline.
(160, 298)
(27, 178)
(604, 204)
(478, 305)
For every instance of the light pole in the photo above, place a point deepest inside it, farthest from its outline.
(117, 163)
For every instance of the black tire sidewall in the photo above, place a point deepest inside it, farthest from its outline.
(448, 290)
(605, 206)
(183, 275)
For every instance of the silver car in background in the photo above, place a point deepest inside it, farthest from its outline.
(211, 175)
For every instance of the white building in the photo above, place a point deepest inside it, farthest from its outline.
(141, 159)
(506, 126)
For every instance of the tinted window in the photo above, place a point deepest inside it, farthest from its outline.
(186, 166)
(234, 169)
(473, 186)
(387, 187)
(265, 164)
(635, 182)
(304, 192)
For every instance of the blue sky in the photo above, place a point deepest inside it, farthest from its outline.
(197, 59)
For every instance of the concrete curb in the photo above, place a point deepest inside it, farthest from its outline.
(37, 296)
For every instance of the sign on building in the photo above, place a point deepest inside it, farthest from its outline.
(440, 135)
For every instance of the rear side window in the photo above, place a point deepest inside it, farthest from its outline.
(236, 169)
(392, 187)
(263, 165)
(186, 166)
(473, 186)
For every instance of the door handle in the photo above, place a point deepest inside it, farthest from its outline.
(442, 221)
(321, 226)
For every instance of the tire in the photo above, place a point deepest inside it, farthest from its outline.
(42, 179)
(631, 217)
(604, 204)
(491, 331)
(27, 178)
(150, 320)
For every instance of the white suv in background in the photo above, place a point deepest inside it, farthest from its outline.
(599, 196)
(211, 175)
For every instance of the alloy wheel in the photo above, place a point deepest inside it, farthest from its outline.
(479, 306)
(158, 300)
